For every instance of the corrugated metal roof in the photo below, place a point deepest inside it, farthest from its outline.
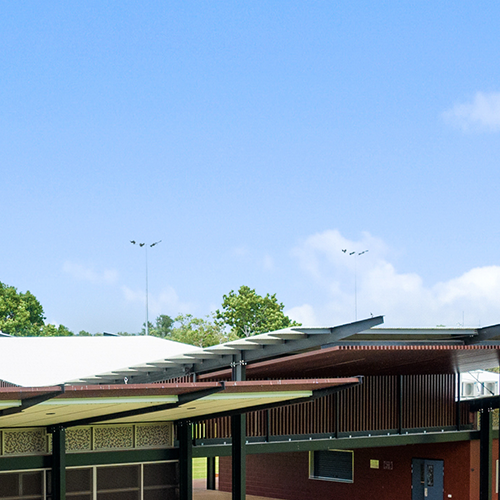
(44, 361)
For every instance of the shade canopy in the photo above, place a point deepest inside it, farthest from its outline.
(84, 405)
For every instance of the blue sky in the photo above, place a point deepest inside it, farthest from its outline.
(256, 140)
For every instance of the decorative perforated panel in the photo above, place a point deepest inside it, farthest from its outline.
(78, 439)
(20, 442)
(151, 436)
(113, 437)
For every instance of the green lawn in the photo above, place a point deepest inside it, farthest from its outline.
(200, 467)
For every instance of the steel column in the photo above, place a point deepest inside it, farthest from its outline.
(211, 473)
(238, 436)
(485, 454)
(184, 435)
(238, 431)
(58, 463)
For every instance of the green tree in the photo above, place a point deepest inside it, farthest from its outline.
(21, 314)
(164, 325)
(201, 332)
(248, 313)
(54, 331)
(162, 328)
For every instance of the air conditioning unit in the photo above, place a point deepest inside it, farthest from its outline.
(471, 390)
(490, 389)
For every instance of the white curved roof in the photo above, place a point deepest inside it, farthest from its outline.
(45, 361)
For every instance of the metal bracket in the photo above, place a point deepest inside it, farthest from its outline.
(242, 362)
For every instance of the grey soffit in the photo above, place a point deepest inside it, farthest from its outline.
(252, 349)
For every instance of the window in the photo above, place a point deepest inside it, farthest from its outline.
(20, 485)
(332, 465)
(141, 481)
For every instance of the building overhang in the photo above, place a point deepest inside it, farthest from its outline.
(85, 405)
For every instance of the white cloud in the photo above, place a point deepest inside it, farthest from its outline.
(83, 273)
(482, 113)
(268, 263)
(381, 290)
(244, 254)
(166, 302)
(303, 314)
(240, 252)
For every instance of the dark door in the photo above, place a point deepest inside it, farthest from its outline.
(427, 479)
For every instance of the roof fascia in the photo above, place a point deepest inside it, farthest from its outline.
(29, 402)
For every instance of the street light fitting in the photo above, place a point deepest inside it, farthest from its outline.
(147, 292)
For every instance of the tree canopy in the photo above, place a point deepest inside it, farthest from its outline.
(201, 332)
(247, 313)
(22, 315)
(243, 313)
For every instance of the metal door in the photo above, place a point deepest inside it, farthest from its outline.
(427, 479)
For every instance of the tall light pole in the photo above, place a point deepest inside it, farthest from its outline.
(355, 278)
(146, 245)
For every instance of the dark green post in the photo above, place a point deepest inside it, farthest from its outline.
(485, 454)
(211, 474)
(58, 462)
(238, 436)
(184, 435)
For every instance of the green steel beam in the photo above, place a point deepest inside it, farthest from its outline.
(120, 457)
(88, 459)
(224, 450)
(26, 462)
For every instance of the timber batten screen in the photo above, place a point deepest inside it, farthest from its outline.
(382, 404)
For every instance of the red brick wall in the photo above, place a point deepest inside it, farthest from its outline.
(286, 475)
